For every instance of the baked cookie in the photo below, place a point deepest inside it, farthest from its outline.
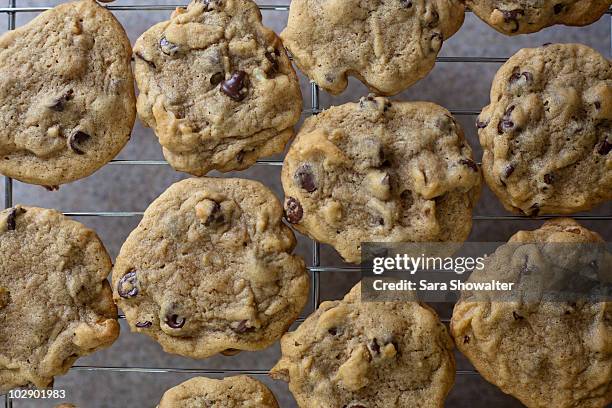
(528, 16)
(231, 392)
(387, 44)
(354, 354)
(216, 86)
(544, 351)
(209, 269)
(547, 133)
(67, 103)
(380, 171)
(55, 302)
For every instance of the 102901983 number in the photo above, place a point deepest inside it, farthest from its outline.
(37, 394)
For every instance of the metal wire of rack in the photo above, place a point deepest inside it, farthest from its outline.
(315, 268)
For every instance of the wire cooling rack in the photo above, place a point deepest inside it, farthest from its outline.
(315, 268)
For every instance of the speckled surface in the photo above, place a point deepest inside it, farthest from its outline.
(456, 86)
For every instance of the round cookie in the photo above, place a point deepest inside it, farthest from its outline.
(67, 103)
(216, 86)
(368, 354)
(387, 44)
(547, 352)
(55, 302)
(528, 16)
(547, 133)
(209, 269)
(231, 392)
(380, 171)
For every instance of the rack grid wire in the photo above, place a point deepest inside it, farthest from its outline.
(316, 268)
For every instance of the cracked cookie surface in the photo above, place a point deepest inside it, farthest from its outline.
(545, 351)
(216, 86)
(67, 103)
(387, 44)
(380, 171)
(528, 16)
(55, 302)
(354, 354)
(547, 133)
(231, 392)
(209, 269)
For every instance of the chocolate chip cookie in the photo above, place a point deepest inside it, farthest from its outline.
(387, 44)
(209, 269)
(545, 352)
(526, 16)
(368, 354)
(231, 392)
(67, 103)
(216, 86)
(380, 171)
(55, 302)
(547, 133)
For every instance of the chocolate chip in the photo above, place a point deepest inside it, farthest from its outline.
(511, 16)
(174, 321)
(235, 87)
(508, 171)
(406, 3)
(470, 164)
(435, 19)
(141, 57)
(76, 138)
(534, 210)
(466, 339)
(558, 8)
(240, 156)
(167, 47)
(216, 217)
(505, 123)
(58, 104)
(517, 74)
(517, 316)
(549, 178)
(481, 125)
(51, 188)
(333, 331)
(604, 147)
(131, 279)
(305, 178)
(272, 58)
(242, 327)
(11, 219)
(144, 325)
(374, 346)
(293, 210)
(217, 78)
(597, 105)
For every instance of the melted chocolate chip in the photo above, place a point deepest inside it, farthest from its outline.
(58, 104)
(243, 327)
(435, 19)
(558, 8)
(305, 178)
(240, 156)
(144, 325)
(333, 331)
(481, 125)
(293, 210)
(167, 47)
(216, 217)
(51, 188)
(374, 346)
(508, 171)
(149, 63)
(604, 147)
(549, 178)
(469, 163)
(76, 138)
(235, 87)
(406, 3)
(517, 316)
(466, 339)
(131, 279)
(272, 58)
(175, 321)
(597, 105)
(534, 210)
(216, 78)
(505, 123)
(11, 219)
(517, 74)
(511, 16)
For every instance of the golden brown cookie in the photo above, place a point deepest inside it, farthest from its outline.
(209, 269)
(67, 103)
(216, 86)
(55, 302)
